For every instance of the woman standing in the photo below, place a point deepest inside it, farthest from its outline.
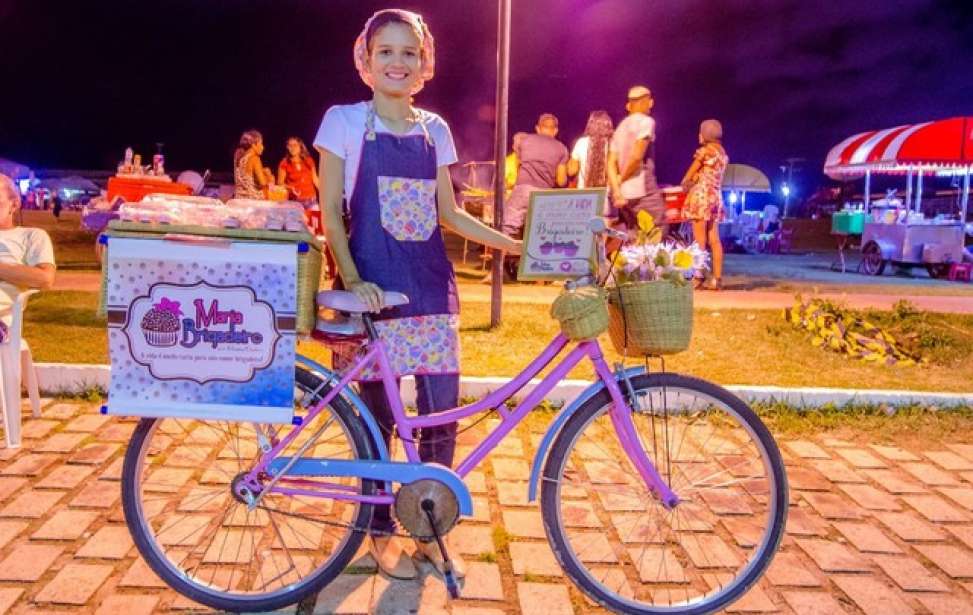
(589, 158)
(703, 184)
(391, 161)
(249, 178)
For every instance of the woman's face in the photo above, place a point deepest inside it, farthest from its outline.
(293, 148)
(394, 59)
(258, 147)
(702, 141)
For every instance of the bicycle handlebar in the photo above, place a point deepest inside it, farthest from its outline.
(599, 227)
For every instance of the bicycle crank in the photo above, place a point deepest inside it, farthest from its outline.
(421, 524)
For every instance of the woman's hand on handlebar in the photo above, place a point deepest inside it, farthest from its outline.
(370, 294)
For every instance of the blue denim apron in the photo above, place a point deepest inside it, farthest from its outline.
(396, 243)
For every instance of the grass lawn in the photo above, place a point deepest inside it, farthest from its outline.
(73, 247)
(729, 347)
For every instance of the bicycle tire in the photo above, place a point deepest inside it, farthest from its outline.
(556, 531)
(314, 582)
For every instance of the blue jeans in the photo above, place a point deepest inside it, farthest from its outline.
(436, 444)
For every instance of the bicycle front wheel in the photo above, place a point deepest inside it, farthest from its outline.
(178, 483)
(620, 545)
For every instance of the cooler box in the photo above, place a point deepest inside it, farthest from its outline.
(133, 188)
(674, 198)
(202, 326)
(848, 223)
(308, 257)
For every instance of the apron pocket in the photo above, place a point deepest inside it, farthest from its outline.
(408, 207)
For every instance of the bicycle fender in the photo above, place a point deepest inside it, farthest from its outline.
(349, 395)
(402, 472)
(555, 427)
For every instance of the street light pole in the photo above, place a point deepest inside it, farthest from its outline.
(500, 151)
(790, 182)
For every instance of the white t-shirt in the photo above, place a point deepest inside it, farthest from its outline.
(634, 127)
(22, 246)
(580, 153)
(343, 129)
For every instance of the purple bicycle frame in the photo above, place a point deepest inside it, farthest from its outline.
(620, 415)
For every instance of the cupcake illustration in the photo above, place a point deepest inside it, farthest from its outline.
(160, 325)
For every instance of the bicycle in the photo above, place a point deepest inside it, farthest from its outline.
(681, 487)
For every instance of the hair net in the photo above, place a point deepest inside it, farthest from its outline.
(427, 50)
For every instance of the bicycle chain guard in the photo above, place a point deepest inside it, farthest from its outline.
(409, 512)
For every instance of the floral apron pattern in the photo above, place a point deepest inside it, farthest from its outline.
(408, 207)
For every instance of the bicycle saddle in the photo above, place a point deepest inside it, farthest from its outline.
(347, 301)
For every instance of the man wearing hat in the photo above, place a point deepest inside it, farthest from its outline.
(631, 169)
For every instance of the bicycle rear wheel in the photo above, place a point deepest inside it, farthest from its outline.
(205, 543)
(615, 539)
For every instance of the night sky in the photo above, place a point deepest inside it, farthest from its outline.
(83, 79)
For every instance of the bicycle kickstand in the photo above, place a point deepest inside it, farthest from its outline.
(448, 577)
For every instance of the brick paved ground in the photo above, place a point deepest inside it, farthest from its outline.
(873, 529)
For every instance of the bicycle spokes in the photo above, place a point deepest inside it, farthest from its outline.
(628, 544)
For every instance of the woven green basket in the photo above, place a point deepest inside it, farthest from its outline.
(308, 262)
(582, 312)
(651, 318)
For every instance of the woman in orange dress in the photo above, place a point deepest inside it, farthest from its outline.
(297, 172)
(703, 184)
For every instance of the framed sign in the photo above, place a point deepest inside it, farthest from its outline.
(201, 331)
(558, 244)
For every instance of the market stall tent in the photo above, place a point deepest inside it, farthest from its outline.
(12, 169)
(75, 183)
(943, 146)
(745, 178)
(907, 238)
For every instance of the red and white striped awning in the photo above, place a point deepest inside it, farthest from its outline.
(942, 145)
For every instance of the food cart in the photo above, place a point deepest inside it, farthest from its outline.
(900, 233)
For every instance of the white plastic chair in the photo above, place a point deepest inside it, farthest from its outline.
(16, 361)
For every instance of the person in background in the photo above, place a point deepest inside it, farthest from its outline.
(390, 162)
(589, 157)
(297, 172)
(511, 164)
(543, 165)
(703, 184)
(770, 220)
(26, 254)
(250, 178)
(58, 206)
(631, 169)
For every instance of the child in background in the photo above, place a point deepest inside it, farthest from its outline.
(703, 184)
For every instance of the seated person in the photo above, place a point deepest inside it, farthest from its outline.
(26, 254)
(771, 219)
